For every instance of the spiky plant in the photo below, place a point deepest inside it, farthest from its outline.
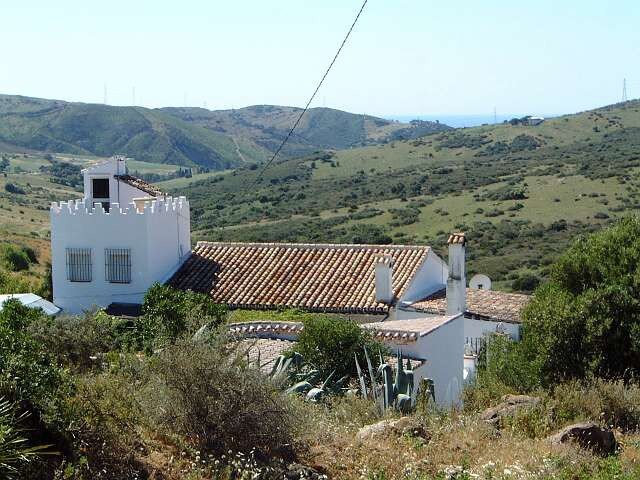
(14, 449)
(389, 394)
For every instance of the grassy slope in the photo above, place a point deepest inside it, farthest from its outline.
(578, 172)
(186, 136)
(320, 128)
(102, 130)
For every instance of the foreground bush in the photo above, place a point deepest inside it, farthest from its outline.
(330, 344)
(209, 394)
(28, 373)
(615, 403)
(75, 341)
(586, 321)
(168, 312)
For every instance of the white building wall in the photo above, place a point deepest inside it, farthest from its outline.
(152, 235)
(473, 328)
(444, 350)
(430, 278)
(477, 329)
(119, 191)
(107, 169)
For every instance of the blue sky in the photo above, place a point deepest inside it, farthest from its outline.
(405, 56)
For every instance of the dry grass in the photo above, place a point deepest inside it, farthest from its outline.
(461, 446)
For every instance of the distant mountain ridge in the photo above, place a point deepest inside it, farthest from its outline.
(189, 136)
(320, 128)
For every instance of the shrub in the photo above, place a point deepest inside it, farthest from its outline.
(209, 394)
(168, 311)
(73, 340)
(614, 402)
(330, 344)
(527, 282)
(28, 373)
(106, 416)
(15, 451)
(586, 321)
(14, 258)
(503, 360)
(12, 188)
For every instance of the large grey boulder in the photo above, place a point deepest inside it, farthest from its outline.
(511, 404)
(397, 427)
(588, 435)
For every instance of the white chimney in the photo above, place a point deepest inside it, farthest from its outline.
(384, 279)
(456, 283)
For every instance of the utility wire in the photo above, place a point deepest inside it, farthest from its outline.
(266, 165)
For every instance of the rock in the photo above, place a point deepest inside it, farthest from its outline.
(315, 395)
(510, 405)
(400, 426)
(588, 435)
(296, 471)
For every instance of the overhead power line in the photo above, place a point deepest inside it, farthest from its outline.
(266, 165)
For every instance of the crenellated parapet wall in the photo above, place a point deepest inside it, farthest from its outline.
(155, 233)
(158, 206)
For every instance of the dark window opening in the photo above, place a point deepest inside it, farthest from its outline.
(100, 188)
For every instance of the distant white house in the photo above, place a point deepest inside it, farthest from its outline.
(533, 121)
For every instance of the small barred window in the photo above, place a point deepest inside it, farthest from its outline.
(79, 264)
(117, 265)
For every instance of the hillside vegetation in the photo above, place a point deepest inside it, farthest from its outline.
(185, 136)
(103, 130)
(320, 128)
(522, 192)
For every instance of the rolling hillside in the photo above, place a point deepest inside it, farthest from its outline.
(102, 130)
(187, 137)
(522, 192)
(319, 129)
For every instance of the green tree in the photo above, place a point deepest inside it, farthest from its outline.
(586, 320)
(168, 311)
(330, 343)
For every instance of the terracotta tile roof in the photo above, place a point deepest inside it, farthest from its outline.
(316, 277)
(141, 185)
(266, 328)
(487, 304)
(407, 331)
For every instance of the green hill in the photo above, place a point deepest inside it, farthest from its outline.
(522, 192)
(320, 128)
(102, 130)
(215, 140)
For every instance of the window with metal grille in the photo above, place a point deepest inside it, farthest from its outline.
(79, 264)
(117, 265)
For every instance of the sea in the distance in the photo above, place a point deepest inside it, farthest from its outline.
(460, 121)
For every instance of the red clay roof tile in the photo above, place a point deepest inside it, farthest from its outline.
(490, 304)
(320, 277)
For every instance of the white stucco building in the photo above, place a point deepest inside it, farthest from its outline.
(115, 242)
(124, 234)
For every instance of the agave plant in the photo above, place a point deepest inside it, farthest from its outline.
(14, 451)
(398, 394)
(302, 379)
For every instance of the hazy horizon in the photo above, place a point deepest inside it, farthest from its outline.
(407, 56)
